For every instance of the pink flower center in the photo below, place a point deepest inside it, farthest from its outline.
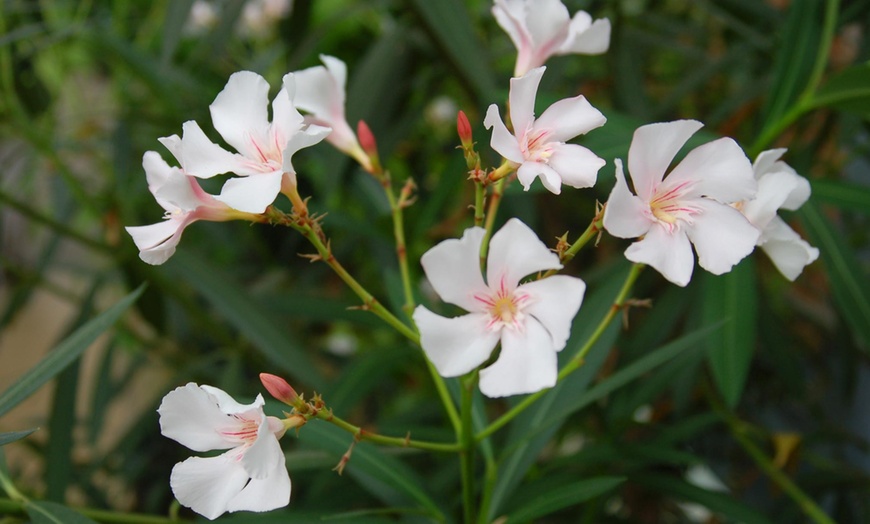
(243, 431)
(535, 145)
(266, 150)
(669, 206)
(505, 307)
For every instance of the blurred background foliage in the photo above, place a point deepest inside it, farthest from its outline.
(86, 87)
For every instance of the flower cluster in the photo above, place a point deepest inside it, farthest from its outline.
(519, 314)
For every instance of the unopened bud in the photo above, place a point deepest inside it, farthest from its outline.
(368, 143)
(279, 388)
(463, 127)
(366, 138)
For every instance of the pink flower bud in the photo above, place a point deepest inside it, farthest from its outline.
(279, 388)
(367, 139)
(464, 129)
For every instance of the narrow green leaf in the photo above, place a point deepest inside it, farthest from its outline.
(563, 497)
(732, 297)
(635, 370)
(61, 424)
(66, 352)
(449, 23)
(844, 195)
(12, 436)
(62, 420)
(382, 475)
(849, 90)
(250, 318)
(848, 280)
(42, 512)
(796, 55)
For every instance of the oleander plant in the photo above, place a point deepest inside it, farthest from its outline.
(267, 261)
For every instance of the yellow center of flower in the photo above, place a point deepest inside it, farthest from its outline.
(505, 307)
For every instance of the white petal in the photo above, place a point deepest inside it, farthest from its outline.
(179, 191)
(251, 194)
(157, 242)
(773, 189)
(626, 215)
(286, 120)
(310, 136)
(530, 170)
(240, 109)
(314, 91)
(268, 493)
(455, 345)
(577, 166)
(509, 15)
(522, 96)
(147, 237)
(799, 194)
(721, 235)
(173, 144)
(587, 40)
(342, 137)
(765, 160)
(453, 269)
(652, 148)
(159, 254)
(320, 90)
(527, 363)
(669, 253)
(786, 249)
(568, 118)
(503, 142)
(157, 171)
(556, 300)
(228, 405)
(262, 456)
(719, 170)
(191, 416)
(203, 158)
(547, 22)
(514, 252)
(206, 485)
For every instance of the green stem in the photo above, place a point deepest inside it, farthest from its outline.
(576, 361)
(19, 507)
(369, 301)
(446, 399)
(466, 456)
(479, 202)
(740, 432)
(595, 227)
(491, 476)
(494, 201)
(401, 246)
(402, 442)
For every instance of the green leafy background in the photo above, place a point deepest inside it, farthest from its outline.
(87, 87)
